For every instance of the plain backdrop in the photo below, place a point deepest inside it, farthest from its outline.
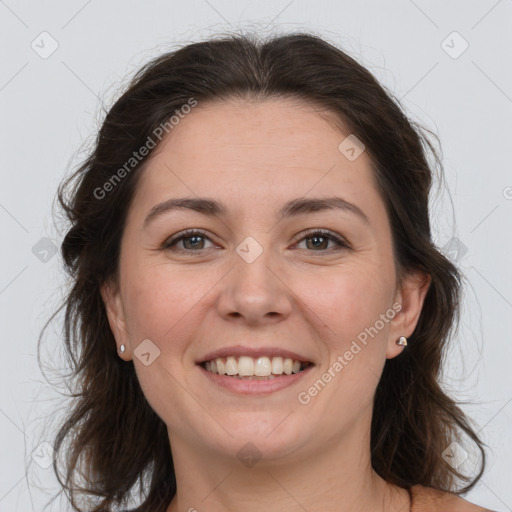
(448, 62)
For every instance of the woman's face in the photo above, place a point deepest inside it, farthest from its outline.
(259, 283)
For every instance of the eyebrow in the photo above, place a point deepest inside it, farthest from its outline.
(212, 207)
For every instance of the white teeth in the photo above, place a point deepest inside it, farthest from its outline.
(263, 367)
(221, 367)
(245, 366)
(277, 365)
(288, 366)
(248, 367)
(231, 366)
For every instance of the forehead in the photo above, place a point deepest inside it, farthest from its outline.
(268, 129)
(271, 149)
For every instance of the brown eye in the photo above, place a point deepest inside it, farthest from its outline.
(193, 240)
(319, 241)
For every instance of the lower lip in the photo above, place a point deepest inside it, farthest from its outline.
(252, 387)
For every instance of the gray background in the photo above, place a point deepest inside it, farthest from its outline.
(51, 105)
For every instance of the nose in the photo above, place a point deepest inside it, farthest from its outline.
(255, 292)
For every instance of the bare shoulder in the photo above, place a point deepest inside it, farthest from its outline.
(427, 499)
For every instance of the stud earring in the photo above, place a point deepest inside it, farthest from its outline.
(402, 341)
(122, 348)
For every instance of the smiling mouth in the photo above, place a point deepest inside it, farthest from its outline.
(249, 368)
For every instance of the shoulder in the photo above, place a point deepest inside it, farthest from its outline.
(428, 499)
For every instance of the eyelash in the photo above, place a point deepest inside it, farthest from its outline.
(170, 244)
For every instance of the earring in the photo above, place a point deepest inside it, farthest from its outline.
(402, 341)
(122, 348)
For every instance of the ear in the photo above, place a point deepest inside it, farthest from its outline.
(411, 295)
(111, 296)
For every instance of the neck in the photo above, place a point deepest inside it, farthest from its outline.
(339, 476)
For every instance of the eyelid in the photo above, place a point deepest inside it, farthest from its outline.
(340, 240)
(168, 242)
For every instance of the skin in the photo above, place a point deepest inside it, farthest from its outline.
(315, 301)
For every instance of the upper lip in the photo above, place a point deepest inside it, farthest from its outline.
(254, 352)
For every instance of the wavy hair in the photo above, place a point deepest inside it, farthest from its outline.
(113, 438)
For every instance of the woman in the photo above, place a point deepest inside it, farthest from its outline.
(258, 313)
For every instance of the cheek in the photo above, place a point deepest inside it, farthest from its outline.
(360, 314)
(159, 302)
(348, 300)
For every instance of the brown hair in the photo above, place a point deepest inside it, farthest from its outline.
(111, 426)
